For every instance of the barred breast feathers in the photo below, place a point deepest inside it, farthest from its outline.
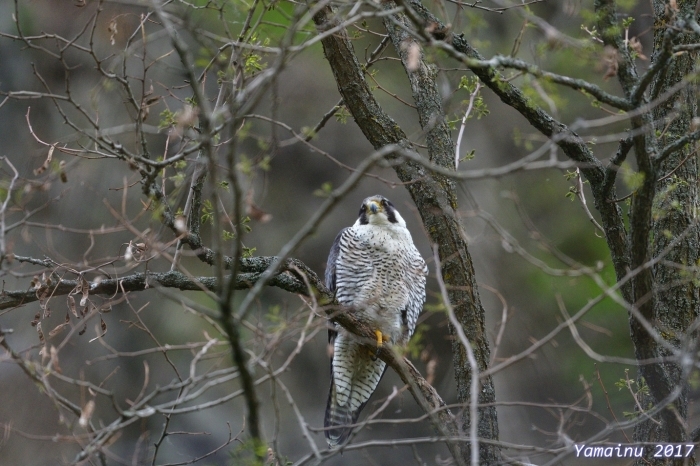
(376, 271)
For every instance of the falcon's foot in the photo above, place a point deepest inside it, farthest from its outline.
(381, 338)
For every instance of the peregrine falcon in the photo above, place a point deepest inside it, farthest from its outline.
(374, 269)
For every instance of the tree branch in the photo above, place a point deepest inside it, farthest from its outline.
(576, 84)
(571, 144)
(289, 279)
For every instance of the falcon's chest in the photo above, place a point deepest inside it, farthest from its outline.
(373, 264)
(390, 242)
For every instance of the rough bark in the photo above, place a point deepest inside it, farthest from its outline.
(676, 297)
(662, 225)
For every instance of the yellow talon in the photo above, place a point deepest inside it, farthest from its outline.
(380, 338)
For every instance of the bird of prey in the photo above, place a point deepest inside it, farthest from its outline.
(373, 269)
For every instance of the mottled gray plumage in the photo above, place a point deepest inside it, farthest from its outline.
(374, 269)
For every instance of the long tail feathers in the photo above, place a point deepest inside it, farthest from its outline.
(338, 420)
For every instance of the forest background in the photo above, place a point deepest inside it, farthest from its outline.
(105, 138)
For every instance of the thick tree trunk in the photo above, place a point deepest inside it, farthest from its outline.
(436, 201)
(675, 233)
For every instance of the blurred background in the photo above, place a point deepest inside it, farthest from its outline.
(516, 225)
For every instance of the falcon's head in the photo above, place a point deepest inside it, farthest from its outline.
(378, 210)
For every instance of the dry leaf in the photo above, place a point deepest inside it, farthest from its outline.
(54, 359)
(36, 283)
(430, 371)
(440, 33)
(609, 61)
(146, 107)
(186, 117)
(103, 327)
(112, 29)
(59, 328)
(62, 171)
(636, 46)
(42, 340)
(135, 252)
(71, 305)
(42, 293)
(128, 254)
(86, 413)
(47, 162)
(143, 114)
(181, 224)
(255, 212)
(695, 124)
(85, 290)
(413, 54)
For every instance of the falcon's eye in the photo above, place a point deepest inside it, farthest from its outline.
(384, 202)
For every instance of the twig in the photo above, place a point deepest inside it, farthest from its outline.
(474, 382)
(607, 398)
(3, 209)
(582, 197)
(472, 97)
(230, 439)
